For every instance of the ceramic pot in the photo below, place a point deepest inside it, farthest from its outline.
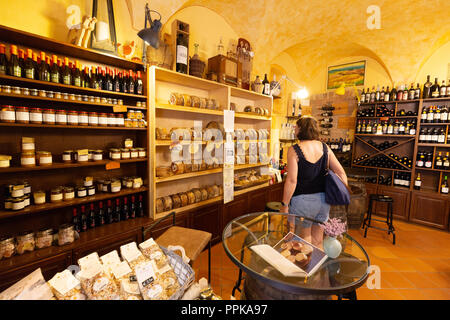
(332, 247)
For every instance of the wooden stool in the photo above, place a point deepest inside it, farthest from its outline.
(193, 241)
(273, 206)
(389, 215)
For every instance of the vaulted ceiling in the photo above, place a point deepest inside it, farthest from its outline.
(315, 31)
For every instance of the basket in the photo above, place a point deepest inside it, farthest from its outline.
(184, 272)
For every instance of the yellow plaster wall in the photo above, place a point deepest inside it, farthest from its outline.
(437, 66)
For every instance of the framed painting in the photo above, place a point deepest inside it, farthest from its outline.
(350, 74)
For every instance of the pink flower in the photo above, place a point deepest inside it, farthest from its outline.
(334, 227)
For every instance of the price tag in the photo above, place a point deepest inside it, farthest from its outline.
(112, 165)
(119, 108)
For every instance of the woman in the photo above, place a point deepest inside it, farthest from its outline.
(304, 189)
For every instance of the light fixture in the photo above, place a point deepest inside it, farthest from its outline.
(302, 93)
(150, 35)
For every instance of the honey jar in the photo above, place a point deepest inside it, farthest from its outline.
(61, 117)
(112, 120)
(91, 190)
(56, 194)
(28, 159)
(44, 158)
(68, 156)
(18, 204)
(39, 197)
(125, 153)
(142, 152)
(69, 193)
(72, 118)
(28, 144)
(49, 116)
(93, 119)
(83, 118)
(103, 119)
(120, 120)
(139, 115)
(134, 153)
(22, 115)
(98, 155)
(115, 154)
(8, 114)
(81, 192)
(131, 114)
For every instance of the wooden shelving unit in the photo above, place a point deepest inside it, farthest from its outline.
(427, 206)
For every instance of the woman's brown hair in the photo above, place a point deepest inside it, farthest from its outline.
(308, 128)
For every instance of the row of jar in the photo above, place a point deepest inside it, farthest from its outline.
(10, 114)
(29, 241)
(19, 195)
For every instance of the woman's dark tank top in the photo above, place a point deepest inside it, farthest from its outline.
(310, 176)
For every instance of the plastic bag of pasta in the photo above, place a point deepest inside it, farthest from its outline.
(149, 284)
(66, 287)
(109, 260)
(152, 251)
(96, 283)
(126, 281)
(168, 279)
(132, 255)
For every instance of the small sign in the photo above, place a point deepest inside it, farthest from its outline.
(133, 278)
(147, 282)
(112, 165)
(340, 108)
(346, 122)
(120, 108)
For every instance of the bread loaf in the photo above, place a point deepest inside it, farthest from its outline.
(197, 194)
(187, 100)
(210, 190)
(190, 197)
(177, 167)
(187, 168)
(248, 109)
(159, 205)
(195, 102)
(204, 194)
(163, 172)
(216, 190)
(176, 201)
(195, 167)
(203, 166)
(184, 199)
(167, 202)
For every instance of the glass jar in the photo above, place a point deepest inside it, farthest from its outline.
(72, 118)
(97, 99)
(27, 159)
(28, 144)
(109, 101)
(83, 118)
(61, 117)
(88, 181)
(91, 99)
(5, 161)
(98, 155)
(137, 183)
(142, 152)
(106, 186)
(58, 95)
(25, 91)
(50, 94)
(127, 183)
(16, 90)
(100, 185)
(82, 157)
(120, 102)
(85, 98)
(115, 154)
(93, 119)
(7, 247)
(26, 200)
(33, 92)
(91, 190)
(112, 120)
(69, 193)
(114, 101)
(125, 153)
(134, 123)
(8, 203)
(36, 115)
(67, 156)
(8, 114)
(39, 197)
(115, 186)
(22, 115)
(78, 97)
(26, 187)
(71, 96)
(128, 123)
(7, 89)
(81, 192)
(25, 242)
(142, 123)
(134, 153)
(56, 194)
(90, 155)
(131, 114)
(49, 116)
(17, 191)
(104, 100)
(42, 94)
(103, 119)
(44, 238)
(120, 120)
(44, 158)
(18, 204)
(65, 96)
(139, 115)
(66, 234)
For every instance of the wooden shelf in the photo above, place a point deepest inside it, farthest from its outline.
(385, 135)
(56, 165)
(162, 143)
(408, 101)
(189, 207)
(238, 193)
(251, 116)
(439, 145)
(63, 204)
(394, 117)
(171, 76)
(59, 86)
(432, 169)
(390, 169)
(248, 166)
(435, 124)
(170, 107)
(436, 99)
(64, 101)
(55, 126)
(249, 95)
(189, 175)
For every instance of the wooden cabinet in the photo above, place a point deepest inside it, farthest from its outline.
(430, 209)
(275, 193)
(208, 219)
(49, 266)
(401, 202)
(234, 209)
(257, 201)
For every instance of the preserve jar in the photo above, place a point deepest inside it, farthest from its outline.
(22, 115)
(61, 117)
(139, 115)
(106, 187)
(100, 185)
(104, 100)
(33, 92)
(120, 120)
(27, 159)
(91, 155)
(58, 95)
(65, 96)
(91, 190)
(69, 193)
(93, 119)
(7, 247)
(25, 91)
(18, 204)
(91, 99)
(26, 200)
(109, 101)
(98, 155)
(28, 144)
(128, 143)
(50, 94)
(36, 115)
(85, 98)
(115, 154)
(82, 157)
(131, 114)
(142, 153)
(111, 120)
(134, 123)
(128, 123)
(44, 158)
(39, 197)
(120, 102)
(138, 104)
(16, 90)
(5, 161)
(68, 156)
(44, 238)
(103, 119)
(17, 191)
(49, 116)
(97, 99)
(8, 114)
(127, 183)
(8, 203)
(25, 242)
(137, 183)
(115, 186)
(42, 94)
(88, 181)
(7, 89)
(56, 194)
(78, 97)
(81, 192)
(26, 187)
(72, 118)
(134, 153)
(125, 153)
(114, 101)
(71, 96)
(142, 123)
(66, 234)
(83, 118)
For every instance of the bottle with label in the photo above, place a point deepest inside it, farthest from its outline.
(182, 53)
(117, 209)
(85, 78)
(91, 217)
(131, 84)
(373, 95)
(109, 213)
(29, 66)
(100, 216)
(390, 129)
(76, 79)
(133, 207)
(441, 136)
(139, 84)
(369, 127)
(66, 74)
(14, 66)
(93, 79)
(368, 95)
(3, 60)
(266, 86)
(429, 160)
(438, 162)
(363, 96)
(44, 69)
(446, 162)
(22, 63)
(393, 94)
(140, 207)
(448, 88)
(54, 70)
(430, 115)
(417, 92)
(84, 223)
(387, 94)
(76, 221)
(443, 91)
(405, 92)
(400, 93)
(444, 187)
(382, 94)
(396, 127)
(427, 89)
(412, 92)
(437, 115)
(377, 93)
(125, 209)
(423, 116)
(435, 89)
(420, 160)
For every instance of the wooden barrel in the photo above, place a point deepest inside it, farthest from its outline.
(357, 207)
(339, 212)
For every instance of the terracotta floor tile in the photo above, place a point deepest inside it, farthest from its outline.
(366, 294)
(413, 294)
(400, 264)
(384, 266)
(441, 279)
(440, 265)
(420, 280)
(397, 280)
(420, 265)
(389, 294)
(382, 252)
(436, 294)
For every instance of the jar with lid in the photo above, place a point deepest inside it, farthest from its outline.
(115, 186)
(106, 187)
(142, 123)
(25, 91)
(125, 153)
(88, 181)
(39, 197)
(131, 114)
(58, 95)
(17, 190)
(25, 242)
(104, 100)
(8, 203)
(22, 115)
(33, 92)
(97, 99)
(72, 118)
(65, 96)
(115, 154)
(26, 187)
(100, 185)
(8, 114)
(120, 120)
(127, 183)
(112, 120)
(68, 156)
(18, 204)
(7, 247)
(44, 158)
(139, 115)
(110, 101)
(50, 94)
(93, 119)
(78, 97)
(81, 192)
(98, 155)
(61, 117)
(137, 182)
(42, 93)
(5, 161)
(83, 118)
(26, 200)
(66, 234)
(91, 99)
(16, 90)
(6, 89)
(134, 123)
(44, 238)
(85, 98)
(36, 115)
(82, 156)
(142, 153)
(90, 155)
(134, 153)
(28, 144)
(120, 102)
(69, 193)
(49, 116)
(114, 101)
(103, 119)
(56, 194)
(27, 159)
(128, 123)
(91, 190)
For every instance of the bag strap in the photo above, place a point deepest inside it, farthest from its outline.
(325, 153)
(298, 151)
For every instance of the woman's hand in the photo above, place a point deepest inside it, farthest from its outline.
(284, 209)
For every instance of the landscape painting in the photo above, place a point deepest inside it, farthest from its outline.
(350, 74)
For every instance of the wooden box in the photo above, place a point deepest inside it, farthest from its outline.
(228, 70)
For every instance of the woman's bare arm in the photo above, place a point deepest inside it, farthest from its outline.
(291, 180)
(336, 167)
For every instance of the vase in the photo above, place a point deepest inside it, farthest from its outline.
(332, 247)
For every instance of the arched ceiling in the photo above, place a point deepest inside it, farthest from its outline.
(314, 31)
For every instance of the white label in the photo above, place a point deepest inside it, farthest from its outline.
(418, 183)
(56, 197)
(69, 195)
(420, 163)
(112, 121)
(45, 160)
(23, 116)
(103, 121)
(444, 190)
(35, 117)
(267, 88)
(147, 244)
(100, 284)
(424, 116)
(438, 163)
(27, 146)
(182, 54)
(8, 115)
(120, 122)
(98, 157)
(27, 161)
(72, 119)
(145, 274)
(154, 292)
(134, 154)
(61, 118)
(83, 119)
(121, 269)
(130, 252)
(93, 120)
(63, 282)
(81, 193)
(83, 158)
(91, 191)
(441, 139)
(430, 117)
(428, 164)
(66, 157)
(125, 155)
(49, 117)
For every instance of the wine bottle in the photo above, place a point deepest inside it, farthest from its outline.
(131, 82)
(382, 94)
(100, 79)
(66, 72)
(438, 161)
(140, 207)
(93, 79)
(54, 70)
(412, 92)
(444, 187)
(3, 60)
(427, 88)
(125, 209)
(44, 69)
(133, 207)
(100, 216)
(14, 66)
(363, 96)
(76, 220)
(266, 85)
(91, 216)
(377, 93)
(373, 95)
(22, 62)
(417, 92)
(29, 66)
(446, 162)
(443, 91)
(448, 88)
(117, 210)
(76, 79)
(181, 54)
(84, 224)
(116, 82)
(435, 90)
(139, 84)
(109, 213)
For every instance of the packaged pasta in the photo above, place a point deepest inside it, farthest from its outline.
(88, 260)
(109, 260)
(96, 283)
(126, 281)
(132, 255)
(168, 279)
(152, 251)
(66, 287)
(150, 286)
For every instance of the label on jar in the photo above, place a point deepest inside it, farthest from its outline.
(26, 190)
(141, 154)
(66, 157)
(134, 154)
(23, 116)
(49, 117)
(120, 122)
(112, 121)
(61, 118)
(69, 195)
(125, 155)
(45, 160)
(26, 202)
(56, 197)
(83, 158)
(81, 193)
(72, 119)
(103, 121)
(17, 193)
(98, 157)
(35, 117)
(91, 191)
(115, 156)
(8, 115)
(27, 146)
(115, 188)
(93, 120)
(19, 205)
(83, 119)
(27, 161)
(441, 139)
